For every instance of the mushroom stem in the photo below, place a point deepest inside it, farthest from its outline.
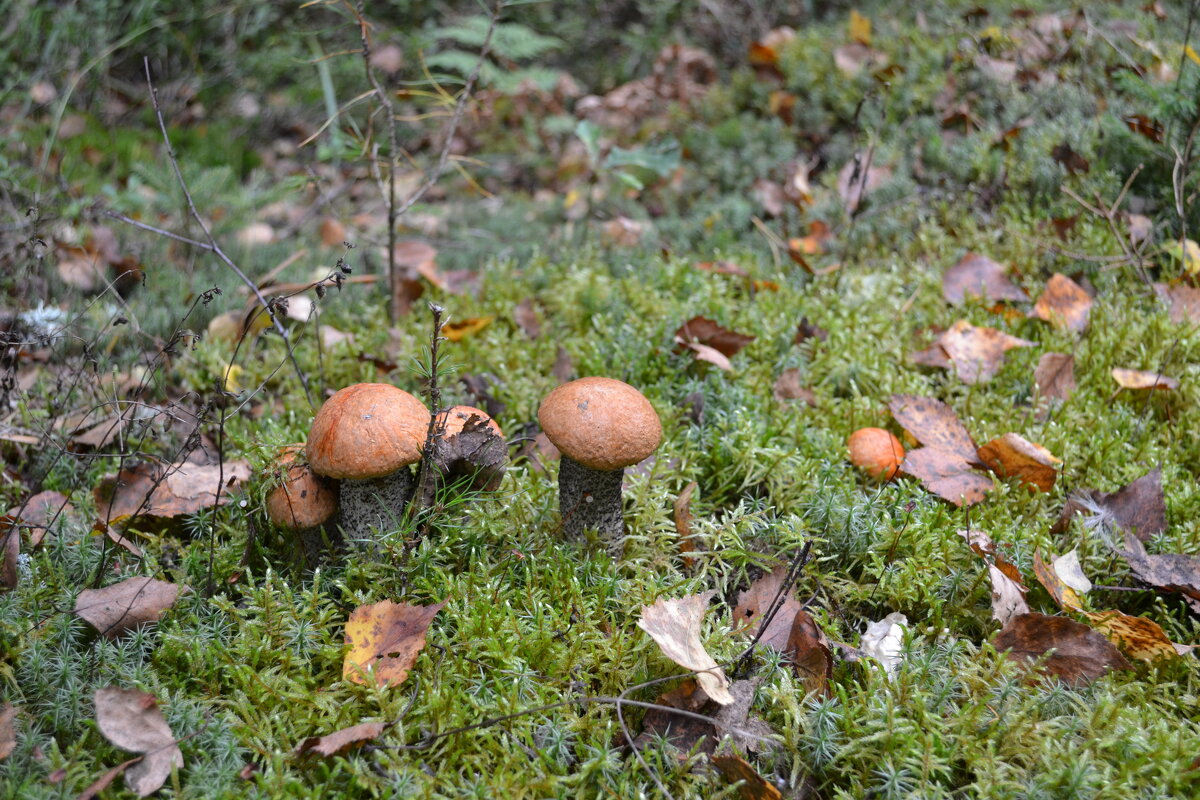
(375, 503)
(590, 499)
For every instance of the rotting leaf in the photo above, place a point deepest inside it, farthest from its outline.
(127, 604)
(1143, 379)
(1013, 456)
(457, 331)
(1077, 654)
(932, 423)
(808, 652)
(148, 489)
(979, 276)
(1183, 302)
(527, 317)
(386, 637)
(806, 330)
(685, 733)
(753, 786)
(946, 474)
(703, 331)
(754, 603)
(1138, 507)
(675, 626)
(1074, 163)
(977, 353)
(788, 387)
(332, 744)
(1064, 304)
(1140, 638)
(1169, 572)
(1055, 375)
(132, 720)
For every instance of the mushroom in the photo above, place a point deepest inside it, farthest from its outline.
(304, 503)
(472, 452)
(876, 451)
(367, 435)
(601, 426)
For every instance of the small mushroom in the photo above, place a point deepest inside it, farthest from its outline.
(367, 436)
(304, 503)
(473, 452)
(601, 426)
(876, 451)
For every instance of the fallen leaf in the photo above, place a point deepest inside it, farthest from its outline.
(1063, 594)
(946, 474)
(125, 605)
(756, 602)
(706, 332)
(333, 232)
(685, 733)
(807, 330)
(675, 626)
(148, 489)
(100, 435)
(1063, 304)
(1140, 228)
(622, 232)
(857, 181)
(765, 52)
(884, 641)
(976, 276)
(851, 59)
(386, 637)
(1070, 571)
(132, 720)
(788, 387)
(998, 69)
(770, 196)
(932, 423)
(809, 654)
(722, 268)
(734, 769)
(1138, 507)
(683, 522)
(8, 730)
(814, 244)
(1013, 456)
(339, 741)
(527, 317)
(1077, 654)
(1142, 379)
(1183, 302)
(563, 367)
(1055, 375)
(860, 28)
(1071, 161)
(1008, 590)
(977, 353)
(35, 515)
(1138, 637)
(457, 331)
(1170, 572)
(256, 234)
(1143, 125)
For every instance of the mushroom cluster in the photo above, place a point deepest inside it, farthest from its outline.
(601, 426)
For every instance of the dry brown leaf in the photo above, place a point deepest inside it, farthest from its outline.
(148, 489)
(1169, 572)
(527, 317)
(857, 180)
(563, 367)
(1074, 163)
(1138, 637)
(1063, 594)
(754, 786)
(685, 733)
(788, 387)
(35, 515)
(1008, 590)
(851, 59)
(1138, 507)
(1142, 379)
(977, 353)
(932, 423)
(1064, 304)
(457, 331)
(1055, 375)
(683, 522)
(622, 232)
(100, 435)
(337, 742)
(8, 730)
(722, 268)
(700, 330)
(125, 605)
(809, 653)
(770, 196)
(946, 474)
(1013, 456)
(132, 720)
(333, 232)
(387, 637)
(806, 330)
(754, 604)
(1077, 654)
(976, 276)
(675, 626)
(1183, 301)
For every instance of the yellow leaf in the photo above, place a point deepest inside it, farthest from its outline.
(231, 379)
(457, 331)
(1191, 53)
(386, 637)
(1191, 256)
(860, 28)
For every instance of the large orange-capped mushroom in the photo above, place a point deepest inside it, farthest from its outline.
(368, 435)
(601, 426)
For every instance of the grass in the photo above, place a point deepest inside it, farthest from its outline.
(247, 673)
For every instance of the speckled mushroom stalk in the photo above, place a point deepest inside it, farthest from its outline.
(367, 436)
(601, 426)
